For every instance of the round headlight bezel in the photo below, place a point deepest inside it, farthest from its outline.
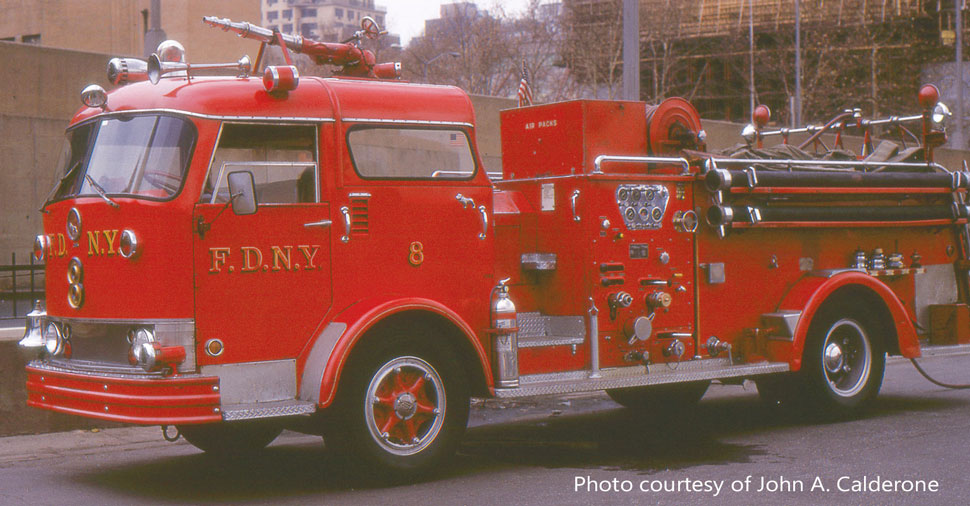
(128, 246)
(41, 243)
(53, 339)
(73, 224)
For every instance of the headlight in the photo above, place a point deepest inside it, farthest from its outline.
(749, 133)
(142, 352)
(53, 340)
(941, 114)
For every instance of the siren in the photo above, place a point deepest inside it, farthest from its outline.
(157, 67)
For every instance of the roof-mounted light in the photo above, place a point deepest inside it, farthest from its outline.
(749, 133)
(281, 78)
(761, 116)
(940, 116)
(127, 70)
(171, 51)
(929, 96)
(94, 96)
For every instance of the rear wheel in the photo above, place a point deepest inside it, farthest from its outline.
(675, 396)
(401, 411)
(844, 362)
(230, 438)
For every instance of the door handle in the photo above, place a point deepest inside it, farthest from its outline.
(573, 198)
(321, 224)
(481, 210)
(345, 211)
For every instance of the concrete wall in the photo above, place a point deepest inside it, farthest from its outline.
(41, 90)
(117, 27)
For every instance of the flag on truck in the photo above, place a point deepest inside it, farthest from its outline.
(525, 89)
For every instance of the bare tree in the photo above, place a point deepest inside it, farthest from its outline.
(592, 45)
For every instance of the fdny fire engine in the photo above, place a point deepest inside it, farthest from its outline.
(228, 256)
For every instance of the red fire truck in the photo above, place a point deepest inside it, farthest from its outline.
(233, 255)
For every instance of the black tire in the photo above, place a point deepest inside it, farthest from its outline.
(230, 438)
(400, 411)
(844, 361)
(660, 397)
(777, 390)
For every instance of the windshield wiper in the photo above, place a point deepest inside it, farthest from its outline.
(100, 191)
(57, 187)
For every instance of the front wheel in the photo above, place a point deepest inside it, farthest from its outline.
(844, 362)
(401, 412)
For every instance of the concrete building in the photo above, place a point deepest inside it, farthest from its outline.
(118, 27)
(320, 19)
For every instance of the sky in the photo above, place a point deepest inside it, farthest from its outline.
(406, 17)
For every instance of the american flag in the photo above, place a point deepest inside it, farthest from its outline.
(525, 89)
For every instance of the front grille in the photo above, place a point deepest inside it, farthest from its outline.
(104, 343)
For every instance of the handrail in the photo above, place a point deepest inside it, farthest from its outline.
(598, 161)
(789, 162)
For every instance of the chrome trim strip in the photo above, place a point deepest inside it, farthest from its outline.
(316, 362)
(266, 410)
(580, 381)
(120, 321)
(407, 122)
(594, 341)
(551, 341)
(100, 370)
(273, 119)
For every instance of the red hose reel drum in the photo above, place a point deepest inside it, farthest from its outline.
(672, 126)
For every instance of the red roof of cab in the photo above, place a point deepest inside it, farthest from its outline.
(314, 98)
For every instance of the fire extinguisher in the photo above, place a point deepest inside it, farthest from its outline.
(505, 344)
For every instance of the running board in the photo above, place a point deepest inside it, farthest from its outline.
(636, 376)
(233, 412)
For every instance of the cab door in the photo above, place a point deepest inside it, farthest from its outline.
(418, 208)
(262, 281)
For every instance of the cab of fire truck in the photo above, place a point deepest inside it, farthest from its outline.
(214, 244)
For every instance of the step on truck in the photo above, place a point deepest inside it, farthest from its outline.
(231, 255)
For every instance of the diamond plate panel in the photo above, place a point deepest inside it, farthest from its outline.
(267, 410)
(657, 374)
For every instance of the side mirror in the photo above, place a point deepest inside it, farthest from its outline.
(242, 192)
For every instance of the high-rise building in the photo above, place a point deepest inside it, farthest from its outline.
(320, 19)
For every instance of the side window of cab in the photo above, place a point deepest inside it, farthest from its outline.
(281, 158)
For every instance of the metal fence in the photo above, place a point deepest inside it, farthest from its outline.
(17, 301)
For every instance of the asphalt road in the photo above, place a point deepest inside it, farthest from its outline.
(555, 451)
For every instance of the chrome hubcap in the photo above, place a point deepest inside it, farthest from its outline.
(847, 358)
(405, 405)
(833, 358)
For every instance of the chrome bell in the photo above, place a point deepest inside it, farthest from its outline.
(32, 345)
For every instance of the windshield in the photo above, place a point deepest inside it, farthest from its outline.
(142, 156)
